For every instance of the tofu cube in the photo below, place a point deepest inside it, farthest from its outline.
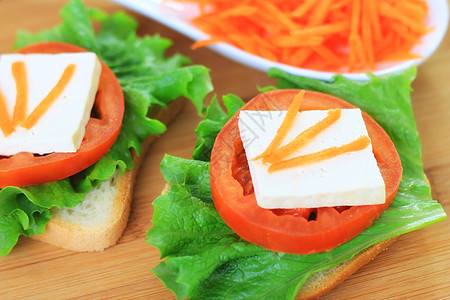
(348, 179)
(61, 128)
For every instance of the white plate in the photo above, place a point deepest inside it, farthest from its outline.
(176, 15)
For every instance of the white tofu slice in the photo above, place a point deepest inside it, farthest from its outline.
(348, 179)
(62, 127)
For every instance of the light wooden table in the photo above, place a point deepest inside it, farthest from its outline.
(416, 266)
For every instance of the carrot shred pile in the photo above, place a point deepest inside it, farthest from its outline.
(326, 35)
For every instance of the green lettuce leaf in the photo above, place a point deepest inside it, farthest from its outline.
(205, 259)
(215, 118)
(148, 79)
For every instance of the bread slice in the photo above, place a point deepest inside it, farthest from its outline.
(322, 282)
(99, 221)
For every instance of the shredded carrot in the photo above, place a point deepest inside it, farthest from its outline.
(353, 30)
(413, 8)
(366, 33)
(7, 126)
(20, 77)
(328, 56)
(51, 97)
(359, 144)
(327, 29)
(203, 43)
(402, 29)
(339, 4)
(265, 49)
(5, 120)
(372, 11)
(354, 38)
(275, 155)
(320, 12)
(302, 9)
(301, 55)
(288, 41)
(239, 11)
(278, 15)
(285, 125)
(391, 12)
(303, 138)
(421, 4)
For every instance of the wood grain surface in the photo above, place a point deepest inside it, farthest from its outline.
(416, 266)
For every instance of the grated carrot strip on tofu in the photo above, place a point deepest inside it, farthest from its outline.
(51, 97)
(5, 120)
(353, 30)
(357, 145)
(285, 125)
(303, 138)
(20, 77)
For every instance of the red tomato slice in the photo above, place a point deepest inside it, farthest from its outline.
(297, 231)
(102, 130)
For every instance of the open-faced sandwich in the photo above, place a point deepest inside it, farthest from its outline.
(78, 108)
(291, 193)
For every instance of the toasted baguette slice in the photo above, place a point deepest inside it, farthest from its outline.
(99, 221)
(322, 282)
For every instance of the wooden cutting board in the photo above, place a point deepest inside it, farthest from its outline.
(416, 266)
